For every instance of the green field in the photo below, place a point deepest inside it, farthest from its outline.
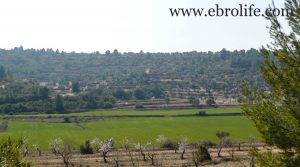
(136, 129)
(121, 112)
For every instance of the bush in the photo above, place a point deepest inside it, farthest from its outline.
(201, 155)
(67, 120)
(201, 113)
(3, 126)
(107, 105)
(139, 106)
(169, 144)
(208, 143)
(10, 154)
(86, 148)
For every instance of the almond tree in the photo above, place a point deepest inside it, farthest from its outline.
(102, 146)
(126, 145)
(223, 137)
(59, 148)
(182, 145)
(106, 146)
(139, 147)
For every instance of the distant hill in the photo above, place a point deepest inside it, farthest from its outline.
(222, 70)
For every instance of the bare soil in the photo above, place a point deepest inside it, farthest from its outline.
(165, 158)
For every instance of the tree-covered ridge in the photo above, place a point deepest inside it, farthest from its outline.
(53, 81)
(222, 70)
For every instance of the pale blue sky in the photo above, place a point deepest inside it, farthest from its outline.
(127, 25)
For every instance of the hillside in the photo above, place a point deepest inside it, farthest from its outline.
(178, 79)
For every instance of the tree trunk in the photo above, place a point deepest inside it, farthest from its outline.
(66, 162)
(182, 154)
(151, 156)
(219, 151)
(40, 152)
(117, 163)
(252, 162)
(144, 155)
(104, 157)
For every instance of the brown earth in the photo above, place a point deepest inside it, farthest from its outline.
(165, 158)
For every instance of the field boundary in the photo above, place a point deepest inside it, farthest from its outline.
(103, 117)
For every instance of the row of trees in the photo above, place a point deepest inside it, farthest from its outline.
(18, 149)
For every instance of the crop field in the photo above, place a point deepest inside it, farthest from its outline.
(114, 112)
(140, 129)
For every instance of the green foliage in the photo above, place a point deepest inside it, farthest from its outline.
(220, 71)
(210, 101)
(42, 132)
(86, 148)
(20, 97)
(75, 87)
(201, 155)
(2, 73)
(222, 134)
(194, 101)
(139, 94)
(267, 159)
(276, 112)
(201, 113)
(59, 104)
(10, 153)
(67, 120)
(122, 94)
(166, 143)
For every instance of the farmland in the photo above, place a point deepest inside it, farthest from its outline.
(137, 129)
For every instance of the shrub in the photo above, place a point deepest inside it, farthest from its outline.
(139, 106)
(201, 155)
(67, 120)
(86, 148)
(207, 143)
(169, 144)
(11, 153)
(3, 126)
(201, 113)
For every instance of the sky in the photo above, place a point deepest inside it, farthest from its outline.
(127, 25)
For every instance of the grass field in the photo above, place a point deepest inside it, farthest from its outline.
(136, 129)
(113, 112)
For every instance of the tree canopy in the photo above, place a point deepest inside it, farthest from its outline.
(276, 113)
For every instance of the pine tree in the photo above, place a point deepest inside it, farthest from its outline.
(2, 73)
(59, 104)
(75, 87)
(276, 112)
